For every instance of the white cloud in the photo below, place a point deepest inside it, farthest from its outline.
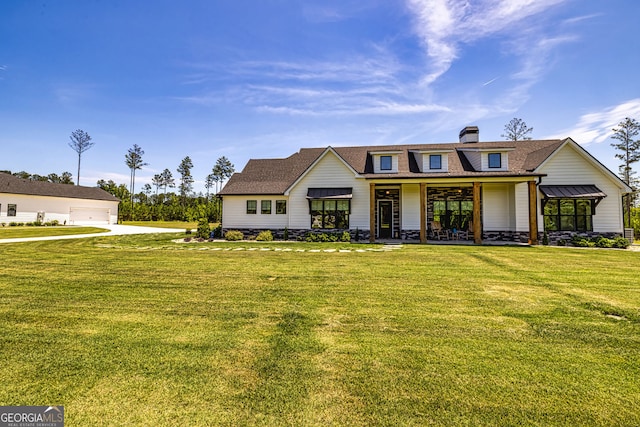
(597, 127)
(444, 25)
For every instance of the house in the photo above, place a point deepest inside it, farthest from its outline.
(22, 200)
(504, 190)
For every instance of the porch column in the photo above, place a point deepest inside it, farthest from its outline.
(423, 212)
(372, 212)
(477, 226)
(533, 213)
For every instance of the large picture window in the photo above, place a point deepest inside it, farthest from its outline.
(330, 213)
(568, 215)
(453, 213)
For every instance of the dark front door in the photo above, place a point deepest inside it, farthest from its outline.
(385, 213)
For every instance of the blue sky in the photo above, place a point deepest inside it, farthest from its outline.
(264, 78)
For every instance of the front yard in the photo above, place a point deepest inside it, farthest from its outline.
(139, 330)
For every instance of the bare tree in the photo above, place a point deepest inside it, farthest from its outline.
(516, 130)
(629, 153)
(80, 142)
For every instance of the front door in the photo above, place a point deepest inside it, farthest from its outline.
(385, 215)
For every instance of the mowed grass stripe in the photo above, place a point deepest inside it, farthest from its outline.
(143, 332)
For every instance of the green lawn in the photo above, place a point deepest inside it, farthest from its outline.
(19, 232)
(138, 330)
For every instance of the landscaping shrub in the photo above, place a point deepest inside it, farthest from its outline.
(265, 236)
(203, 229)
(599, 241)
(217, 232)
(233, 235)
(620, 243)
(345, 236)
(603, 242)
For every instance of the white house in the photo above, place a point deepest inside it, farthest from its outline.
(23, 200)
(503, 190)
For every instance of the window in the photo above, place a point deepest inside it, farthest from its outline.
(385, 163)
(495, 160)
(281, 207)
(252, 207)
(265, 207)
(453, 213)
(330, 213)
(12, 210)
(568, 215)
(435, 161)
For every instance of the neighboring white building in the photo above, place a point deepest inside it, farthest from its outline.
(23, 200)
(503, 190)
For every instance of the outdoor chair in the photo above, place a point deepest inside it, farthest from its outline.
(437, 232)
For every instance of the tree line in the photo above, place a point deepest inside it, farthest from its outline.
(151, 204)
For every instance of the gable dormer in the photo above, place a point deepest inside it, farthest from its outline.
(432, 161)
(488, 159)
(385, 161)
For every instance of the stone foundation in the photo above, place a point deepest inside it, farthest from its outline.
(297, 234)
(414, 235)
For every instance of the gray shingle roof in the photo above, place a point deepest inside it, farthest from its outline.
(14, 185)
(275, 176)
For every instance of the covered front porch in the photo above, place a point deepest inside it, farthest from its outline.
(477, 212)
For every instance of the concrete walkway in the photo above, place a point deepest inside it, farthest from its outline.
(113, 230)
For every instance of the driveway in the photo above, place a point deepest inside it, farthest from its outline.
(113, 230)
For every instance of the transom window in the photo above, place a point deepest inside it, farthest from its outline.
(568, 215)
(386, 163)
(495, 160)
(265, 207)
(435, 161)
(281, 207)
(252, 207)
(330, 213)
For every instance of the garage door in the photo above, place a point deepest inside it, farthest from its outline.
(89, 216)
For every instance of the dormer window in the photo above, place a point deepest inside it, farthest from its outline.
(435, 161)
(386, 163)
(495, 160)
(432, 161)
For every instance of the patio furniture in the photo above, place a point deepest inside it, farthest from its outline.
(464, 234)
(437, 232)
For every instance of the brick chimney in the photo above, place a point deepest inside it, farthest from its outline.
(470, 134)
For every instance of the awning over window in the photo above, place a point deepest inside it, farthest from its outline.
(329, 193)
(572, 192)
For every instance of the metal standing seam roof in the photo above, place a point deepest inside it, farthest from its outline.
(572, 192)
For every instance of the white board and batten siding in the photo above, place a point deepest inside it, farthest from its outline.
(410, 207)
(329, 172)
(570, 166)
(499, 205)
